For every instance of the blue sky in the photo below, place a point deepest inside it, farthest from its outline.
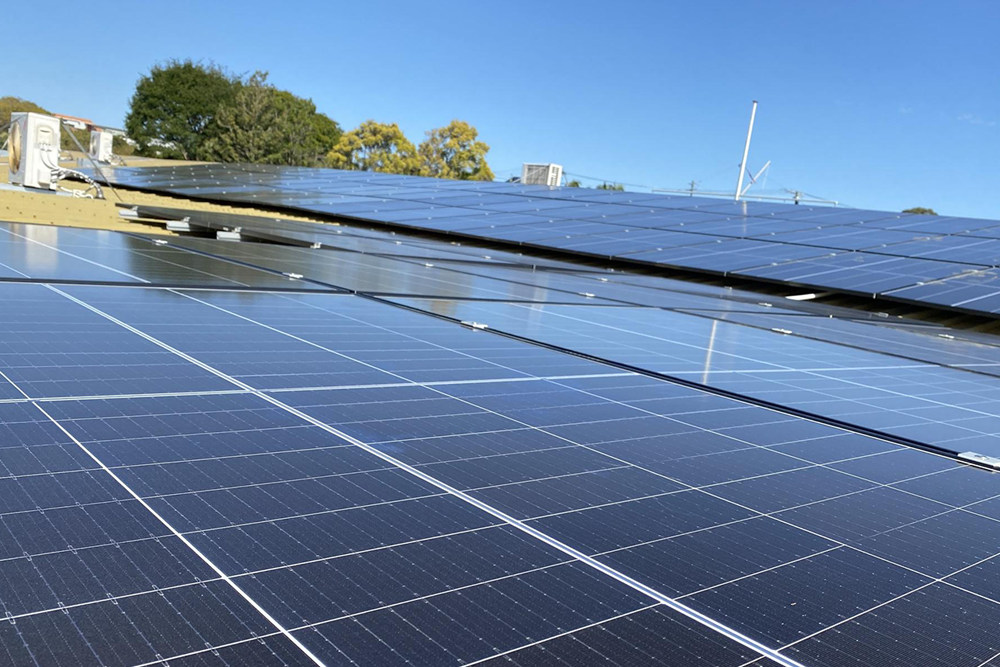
(884, 104)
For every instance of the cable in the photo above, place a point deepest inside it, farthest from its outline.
(59, 173)
(608, 180)
(93, 162)
(82, 193)
(7, 138)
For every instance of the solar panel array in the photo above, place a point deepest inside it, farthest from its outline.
(941, 261)
(218, 453)
(917, 392)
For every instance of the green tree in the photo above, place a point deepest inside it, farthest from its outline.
(263, 125)
(611, 186)
(121, 147)
(11, 104)
(172, 109)
(323, 132)
(454, 152)
(326, 132)
(921, 210)
(375, 147)
(574, 184)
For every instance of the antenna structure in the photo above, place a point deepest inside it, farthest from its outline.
(746, 151)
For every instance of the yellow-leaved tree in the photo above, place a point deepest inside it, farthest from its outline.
(375, 147)
(454, 151)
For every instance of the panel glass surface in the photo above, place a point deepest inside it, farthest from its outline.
(945, 407)
(393, 488)
(62, 254)
(511, 213)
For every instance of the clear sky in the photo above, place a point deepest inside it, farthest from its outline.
(884, 104)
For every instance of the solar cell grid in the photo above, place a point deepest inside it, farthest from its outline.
(630, 246)
(936, 224)
(60, 254)
(51, 347)
(658, 218)
(419, 206)
(631, 472)
(908, 397)
(728, 255)
(926, 345)
(979, 291)
(378, 274)
(536, 233)
(263, 591)
(455, 497)
(845, 238)
(339, 237)
(983, 232)
(860, 272)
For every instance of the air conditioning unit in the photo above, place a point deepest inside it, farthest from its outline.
(541, 174)
(100, 145)
(34, 149)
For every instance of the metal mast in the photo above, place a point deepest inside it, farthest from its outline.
(746, 151)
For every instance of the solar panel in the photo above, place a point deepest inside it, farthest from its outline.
(379, 274)
(933, 344)
(518, 214)
(650, 503)
(199, 476)
(729, 255)
(975, 291)
(355, 239)
(67, 255)
(923, 401)
(860, 272)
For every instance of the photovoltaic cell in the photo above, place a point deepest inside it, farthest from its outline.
(239, 477)
(376, 274)
(62, 254)
(945, 407)
(519, 214)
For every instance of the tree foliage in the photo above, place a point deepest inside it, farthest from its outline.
(375, 147)
(454, 152)
(172, 109)
(10, 104)
(611, 186)
(921, 210)
(326, 133)
(574, 184)
(264, 125)
(121, 147)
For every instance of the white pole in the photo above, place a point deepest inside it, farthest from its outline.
(746, 151)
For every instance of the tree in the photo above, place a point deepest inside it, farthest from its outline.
(172, 109)
(121, 147)
(323, 132)
(920, 210)
(574, 184)
(9, 104)
(375, 147)
(327, 133)
(611, 186)
(454, 152)
(263, 125)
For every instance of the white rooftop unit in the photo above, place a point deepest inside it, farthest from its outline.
(541, 174)
(100, 145)
(34, 149)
